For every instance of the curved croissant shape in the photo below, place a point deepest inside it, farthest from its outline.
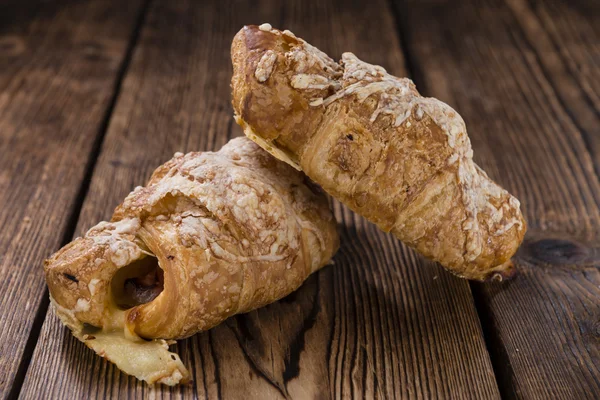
(372, 141)
(210, 236)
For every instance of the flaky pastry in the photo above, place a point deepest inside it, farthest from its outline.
(210, 236)
(372, 141)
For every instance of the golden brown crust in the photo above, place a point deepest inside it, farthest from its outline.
(232, 231)
(372, 141)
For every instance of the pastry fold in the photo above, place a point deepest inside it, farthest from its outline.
(212, 234)
(373, 142)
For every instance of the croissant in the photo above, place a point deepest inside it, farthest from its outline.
(373, 142)
(210, 236)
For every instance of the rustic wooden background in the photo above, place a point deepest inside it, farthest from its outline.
(95, 94)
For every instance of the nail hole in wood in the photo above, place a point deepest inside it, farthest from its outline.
(558, 251)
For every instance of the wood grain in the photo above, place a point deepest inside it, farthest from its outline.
(59, 62)
(381, 323)
(495, 63)
(565, 36)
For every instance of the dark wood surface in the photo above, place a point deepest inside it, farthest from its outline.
(375, 324)
(530, 118)
(59, 63)
(382, 322)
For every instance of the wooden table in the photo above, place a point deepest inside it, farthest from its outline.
(94, 95)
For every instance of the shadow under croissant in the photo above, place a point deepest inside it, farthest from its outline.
(264, 336)
(334, 319)
(352, 316)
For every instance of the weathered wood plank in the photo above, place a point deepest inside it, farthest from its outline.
(381, 323)
(565, 36)
(529, 120)
(59, 62)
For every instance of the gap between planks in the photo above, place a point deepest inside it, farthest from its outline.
(420, 344)
(521, 15)
(500, 361)
(81, 194)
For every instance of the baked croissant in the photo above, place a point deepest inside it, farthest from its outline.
(372, 141)
(210, 236)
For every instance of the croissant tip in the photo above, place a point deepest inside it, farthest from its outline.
(507, 272)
